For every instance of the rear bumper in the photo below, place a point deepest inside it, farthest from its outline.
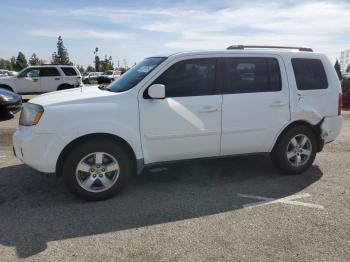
(39, 151)
(330, 128)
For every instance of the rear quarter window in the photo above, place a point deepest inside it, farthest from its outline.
(309, 74)
(69, 71)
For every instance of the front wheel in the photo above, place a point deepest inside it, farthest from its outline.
(296, 150)
(96, 170)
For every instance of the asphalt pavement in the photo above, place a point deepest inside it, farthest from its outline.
(234, 209)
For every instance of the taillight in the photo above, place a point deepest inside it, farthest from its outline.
(340, 103)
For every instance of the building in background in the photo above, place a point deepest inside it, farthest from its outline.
(344, 60)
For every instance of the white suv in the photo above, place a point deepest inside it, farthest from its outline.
(184, 106)
(42, 79)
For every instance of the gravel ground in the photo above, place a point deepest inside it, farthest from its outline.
(191, 212)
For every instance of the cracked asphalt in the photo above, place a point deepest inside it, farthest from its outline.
(187, 212)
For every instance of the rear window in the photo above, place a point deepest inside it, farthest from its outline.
(69, 71)
(252, 75)
(309, 74)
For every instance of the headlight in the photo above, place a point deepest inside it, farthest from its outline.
(31, 114)
(5, 98)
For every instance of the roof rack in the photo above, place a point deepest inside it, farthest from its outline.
(242, 47)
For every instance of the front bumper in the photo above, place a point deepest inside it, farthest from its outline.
(330, 128)
(39, 151)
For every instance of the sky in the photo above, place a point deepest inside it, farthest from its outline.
(133, 30)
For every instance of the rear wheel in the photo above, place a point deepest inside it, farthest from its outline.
(296, 150)
(96, 170)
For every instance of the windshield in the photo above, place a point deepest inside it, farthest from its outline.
(135, 74)
(108, 73)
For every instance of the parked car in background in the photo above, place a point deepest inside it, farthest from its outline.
(42, 79)
(108, 76)
(90, 77)
(4, 73)
(184, 106)
(10, 103)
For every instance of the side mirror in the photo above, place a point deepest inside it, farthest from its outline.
(156, 91)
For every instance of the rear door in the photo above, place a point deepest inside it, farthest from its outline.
(50, 79)
(255, 103)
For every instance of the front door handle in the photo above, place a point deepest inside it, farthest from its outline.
(35, 79)
(208, 109)
(57, 78)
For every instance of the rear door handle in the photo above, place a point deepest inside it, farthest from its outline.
(35, 79)
(208, 109)
(57, 78)
(278, 104)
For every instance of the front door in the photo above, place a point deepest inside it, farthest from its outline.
(187, 123)
(28, 81)
(255, 104)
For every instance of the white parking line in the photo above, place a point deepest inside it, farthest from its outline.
(285, 200)
(2, 156)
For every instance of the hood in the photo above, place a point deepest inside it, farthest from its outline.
(71, 96)
(7, 79)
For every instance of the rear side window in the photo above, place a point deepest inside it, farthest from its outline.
(69, 71)
(309, 74)
(49, 71)
(251, 75)
(195, 77)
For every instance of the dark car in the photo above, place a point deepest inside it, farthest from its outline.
(108, 77)
(10, 103)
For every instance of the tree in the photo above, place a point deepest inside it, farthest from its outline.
(97, 60)
(107, 63)
(337, 69)
(61, 57)
(81, 68)
(21, 61)
(13, 63)
(34, 60)
(90, 68)
(5, 64)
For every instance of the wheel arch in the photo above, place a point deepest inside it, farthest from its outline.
(126, 146)
(64, 86)
(316, 129)
(5, 86)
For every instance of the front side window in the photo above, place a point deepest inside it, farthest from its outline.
(49, 71)
(195, 77)
(30, 72)
(251, 75)
(135, 74)
(69, 71)
(309, 74)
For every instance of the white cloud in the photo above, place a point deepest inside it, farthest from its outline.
(78, 34)
(322, 25)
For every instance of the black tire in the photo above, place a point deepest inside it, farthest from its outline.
(82, 150)
(284, 144)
